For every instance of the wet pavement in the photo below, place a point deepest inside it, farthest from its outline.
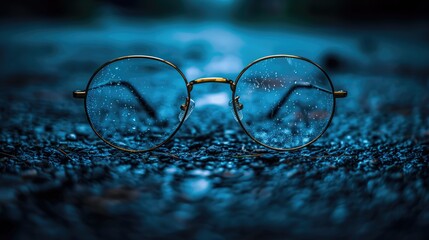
(367, 177)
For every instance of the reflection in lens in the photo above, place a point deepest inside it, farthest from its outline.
(287, 102)
(134, 103)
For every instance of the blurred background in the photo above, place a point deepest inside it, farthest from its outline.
(60, 43)
(250, 10)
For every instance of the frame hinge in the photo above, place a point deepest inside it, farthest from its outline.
(79, 94)
(340, 94)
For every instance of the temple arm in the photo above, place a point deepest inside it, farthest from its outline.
(127, 85)
(273, 113)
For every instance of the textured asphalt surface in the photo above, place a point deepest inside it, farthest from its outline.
(367, 177)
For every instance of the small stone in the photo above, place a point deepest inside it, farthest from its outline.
(83, 129)
(123, 168)
(199, 173)
(9, 148)
(230, 174)
(207, 158)
(71, 137)
(139, 171)
(214, 149)
(257, 165)
(230, 132)
(39, 129)
(196, 189)
(30, 173)
(291, 173)
(171, 170)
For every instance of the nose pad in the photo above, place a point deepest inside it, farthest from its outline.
(238, 106)
(183, 109)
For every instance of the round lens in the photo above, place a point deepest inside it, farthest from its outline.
(134, 103)
(286, 102)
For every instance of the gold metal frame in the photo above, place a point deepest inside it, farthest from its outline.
(334, 96)
(211, 80)
(83, 94)
(189, 87)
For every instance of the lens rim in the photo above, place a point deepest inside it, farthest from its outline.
(131, 57)
(283, 56)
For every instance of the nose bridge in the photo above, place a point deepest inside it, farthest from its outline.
(211, 80)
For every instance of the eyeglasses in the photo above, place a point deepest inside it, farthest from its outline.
(138, 103)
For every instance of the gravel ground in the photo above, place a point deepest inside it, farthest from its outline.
(367, 177)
